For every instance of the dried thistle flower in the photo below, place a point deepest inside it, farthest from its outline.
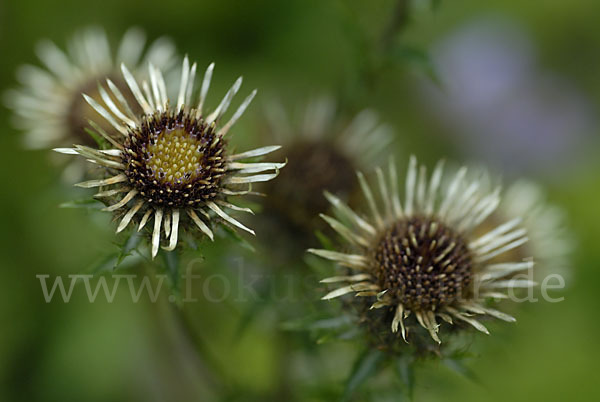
(323, 154)
(49, 106)
(422, 258)
(172, 164)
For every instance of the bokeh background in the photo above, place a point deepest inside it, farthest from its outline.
(514, 85)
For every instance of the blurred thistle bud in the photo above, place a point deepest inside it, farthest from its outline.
(50, 108)
(323, 153)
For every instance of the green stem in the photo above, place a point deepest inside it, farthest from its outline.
(207, 362)
(374, 54)
(397, 24)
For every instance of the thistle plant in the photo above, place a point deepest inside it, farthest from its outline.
(49, 106)
(323, 152)
(419, 260)
(409, 268)
(171, 164)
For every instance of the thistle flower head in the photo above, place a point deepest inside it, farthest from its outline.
(323, 154)
(421, 257)
(49, 106)
(171, 163)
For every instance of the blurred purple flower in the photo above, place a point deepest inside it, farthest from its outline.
(500, 105)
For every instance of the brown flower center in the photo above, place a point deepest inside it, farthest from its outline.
(313, 167)
(175, 160)
(423, 264)
(175, 157)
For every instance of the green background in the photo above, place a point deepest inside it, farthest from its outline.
(126, 351)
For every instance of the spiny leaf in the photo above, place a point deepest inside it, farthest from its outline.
(351, 334)
(337, 336)
(364, 367)
(233, 234)
(248, 317)
(332, 323)
(127, 248)
(299, 324)
(459, 367)
(104, 264)
(410, 55)
(318, 322)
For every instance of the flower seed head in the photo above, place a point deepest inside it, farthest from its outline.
(423, 260)
(324, 151)
(175, 160)
(424, 264)
(313, 167)
(170, 164)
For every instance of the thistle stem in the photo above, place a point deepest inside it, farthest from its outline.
(397, 24)
(207, 363)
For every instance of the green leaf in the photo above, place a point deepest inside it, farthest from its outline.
(420, 58)
(353, 333)
(315, 322)
(234, 235)
(332, 323)
(102, 143)
(340, 336)
(325, 241)
(127, 248)
(246, 320)
(299, 324)
(255, 206)
(251, 314)
(326, 339)
(364, 367)
(104, 264)
(459, 367)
